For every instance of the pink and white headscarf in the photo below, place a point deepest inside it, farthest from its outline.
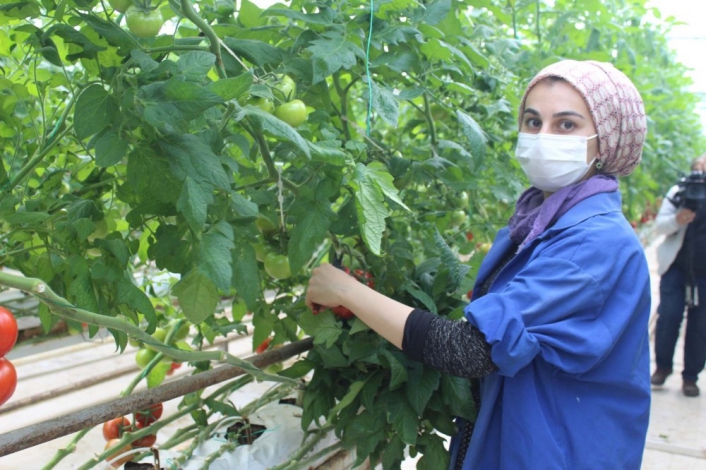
(616, 108)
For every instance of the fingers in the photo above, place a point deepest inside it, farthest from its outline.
(685, 216)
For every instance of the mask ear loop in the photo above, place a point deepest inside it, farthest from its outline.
(599, 165)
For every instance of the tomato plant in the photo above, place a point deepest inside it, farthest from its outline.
(143, 24)
(8, 380)
(115, 428)
(8, 331)
(293, 113)
(148, 416)
(277, 266)
(368, 156)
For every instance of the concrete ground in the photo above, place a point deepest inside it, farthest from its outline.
(676, 437)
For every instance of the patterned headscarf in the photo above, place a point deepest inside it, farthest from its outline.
(616, 108)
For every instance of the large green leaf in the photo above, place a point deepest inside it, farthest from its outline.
(215, 259)
(323, 327)
(198, 296)
(190, 156)
(194, 65)
(314, 216)
(246, 274)
(193, 203)
(331, 53)
(94, 110)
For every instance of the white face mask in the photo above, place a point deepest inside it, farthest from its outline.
(553, 161)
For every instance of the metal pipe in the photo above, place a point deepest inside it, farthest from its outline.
(29, 436)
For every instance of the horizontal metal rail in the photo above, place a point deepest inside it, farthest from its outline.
(30, 436)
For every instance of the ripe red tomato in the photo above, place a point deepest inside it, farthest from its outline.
(8, 331)
(365, 276)
(469, 236)
(293, 113)
(115, 428)
(8, 380)
(145, 441)
(143, 24)
(342, 312)
(172, 367)
(277, 266)
(469, 294)
(148, 416)
(263, 346)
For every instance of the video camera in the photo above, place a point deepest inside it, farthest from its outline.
(692, 191)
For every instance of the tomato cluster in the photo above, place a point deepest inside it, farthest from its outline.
(114, 429)
(147, 352)
(8, 338)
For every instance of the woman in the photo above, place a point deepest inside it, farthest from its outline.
(557, 327)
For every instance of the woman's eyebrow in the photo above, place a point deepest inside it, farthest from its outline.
(560, 114)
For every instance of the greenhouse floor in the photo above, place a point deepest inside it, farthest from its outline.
(675, 439)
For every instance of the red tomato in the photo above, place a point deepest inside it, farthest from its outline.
(342, 312)
(172, 367)
(145, 441)
(469, 294)
(263, 346)
(150, 415)
(8, 380)
(8, 331)
(469, 236)
(115, 428)
(365, 276)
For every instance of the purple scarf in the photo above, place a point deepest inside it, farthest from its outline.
(533, 215)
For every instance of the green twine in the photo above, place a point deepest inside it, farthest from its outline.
(367, 71)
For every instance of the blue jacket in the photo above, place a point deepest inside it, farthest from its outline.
(567, 323)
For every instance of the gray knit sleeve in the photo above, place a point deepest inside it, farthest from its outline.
(456, 347)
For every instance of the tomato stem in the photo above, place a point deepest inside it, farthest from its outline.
(189, 12)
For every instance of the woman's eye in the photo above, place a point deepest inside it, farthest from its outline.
(567, 125)
(533, 123)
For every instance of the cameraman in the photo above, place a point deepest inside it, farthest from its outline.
(681, 260)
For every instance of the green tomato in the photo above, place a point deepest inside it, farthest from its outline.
(101, 230)
(260, 251)
(460, 200)
(277, 266)
(265, 226)
(182, 332)
(264, 104)
(143, 24)
(457, 218)
(293, 113)
(144, 357)
(160, 335)
(225, 7)
(285, 89)
(120, 5)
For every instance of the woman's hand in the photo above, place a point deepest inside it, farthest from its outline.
(329, 286)
(685, 216)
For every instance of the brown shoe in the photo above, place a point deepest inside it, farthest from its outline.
(660, 376)
(690, 389)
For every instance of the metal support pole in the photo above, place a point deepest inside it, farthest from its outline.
(29, 436)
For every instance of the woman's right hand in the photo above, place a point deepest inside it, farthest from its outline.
(329, 286)
(685, 216)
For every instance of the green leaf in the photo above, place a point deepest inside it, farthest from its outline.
(404, 420)
(393, 454)
(435, 455)
(353, 391)
(193, 203)
(246, 273)
(332, 53)
(398, 371)
(314, 217)
(243, 208)
(457, 395)
(298, 369)
(89, 50)
(190, 156)
(377, 173)
(385, 104)
(232, 88)
(426, 381)
(216, 259)
(110, 149)
(132, 296)
(110, 31)
(198, 296)
(189, 98)
(421, 296)
(258, 52)
(249, 15)
(322, 152)
(194, 65)
(115, 246)
(324, 17)
(322, 327)
(474, 133)
(27, 217)
(449, 261)
(94, 110)
(276, 127)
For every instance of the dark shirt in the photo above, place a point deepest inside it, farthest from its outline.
(692, 256)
